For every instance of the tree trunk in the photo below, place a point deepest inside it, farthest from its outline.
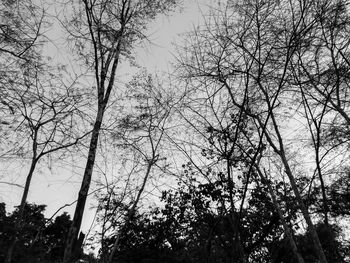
(323, 189)
(19, 220)
(280, 151)
(133, 208)
(286, 229)
(317, 244)
(83, 192)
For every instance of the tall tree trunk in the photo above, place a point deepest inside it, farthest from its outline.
(133, 208)
(316, 139)
(287, 231)
(280, 151)
(83, 192)
(323, 188)
(317, 244)
(19, 220)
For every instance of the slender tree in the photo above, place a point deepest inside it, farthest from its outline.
(105, 32)
(321, 80)
(45, 120)
(143, 132)
(247, 50)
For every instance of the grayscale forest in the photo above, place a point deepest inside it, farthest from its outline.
(237, 151)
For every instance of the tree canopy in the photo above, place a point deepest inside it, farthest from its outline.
(239, 152)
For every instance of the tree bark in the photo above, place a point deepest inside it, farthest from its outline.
(84, 189)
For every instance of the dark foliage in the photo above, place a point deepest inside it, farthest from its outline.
(194, 227)
(335, 251)
(37, 239)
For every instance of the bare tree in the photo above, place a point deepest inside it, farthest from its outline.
(45, 120)
(320, 75)
(246, 51)
(104, 33)
(143, 132)
(138, 141)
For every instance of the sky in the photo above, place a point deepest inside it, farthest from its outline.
(58, 184)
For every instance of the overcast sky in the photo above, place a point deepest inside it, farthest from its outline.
(60, 186)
